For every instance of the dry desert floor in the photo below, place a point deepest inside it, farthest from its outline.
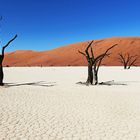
(45, 103)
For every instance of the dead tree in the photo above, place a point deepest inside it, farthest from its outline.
(94, 63)
(127, 60)
(1, 60)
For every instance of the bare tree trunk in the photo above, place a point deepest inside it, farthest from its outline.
(95, 77)
(125, 66)
(1, 76)
(90, 74)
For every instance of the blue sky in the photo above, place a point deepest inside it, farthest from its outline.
(46, 24)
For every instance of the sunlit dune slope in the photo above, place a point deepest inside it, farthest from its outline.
(69, 56)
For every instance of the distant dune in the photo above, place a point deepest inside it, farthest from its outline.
(69, 56)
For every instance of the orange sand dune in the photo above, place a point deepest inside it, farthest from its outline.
(69, 56)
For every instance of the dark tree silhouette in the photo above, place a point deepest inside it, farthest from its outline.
(127, 60)
(1, 60)
(94, 63)
(2, 57)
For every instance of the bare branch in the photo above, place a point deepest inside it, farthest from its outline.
(82, 53)
(103, 55)
(128, 59)
(131, 57)
(89, 45)
(99, 62)
(132, 63)
(99, 57)
(122, 58)
(3, 48)
(110, 48)
(10, 41)
(92, 54)
(86, 54)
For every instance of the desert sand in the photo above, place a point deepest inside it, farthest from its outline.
(47, 104)
(69, 56)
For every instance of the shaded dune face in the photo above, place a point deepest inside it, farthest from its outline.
(69, 56)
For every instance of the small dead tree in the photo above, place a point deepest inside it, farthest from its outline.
(127, 60)
(94, 63)
(1, 60)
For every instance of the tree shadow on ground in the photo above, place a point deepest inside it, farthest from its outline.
(108, 83)
(39, 83)
(111, 83)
